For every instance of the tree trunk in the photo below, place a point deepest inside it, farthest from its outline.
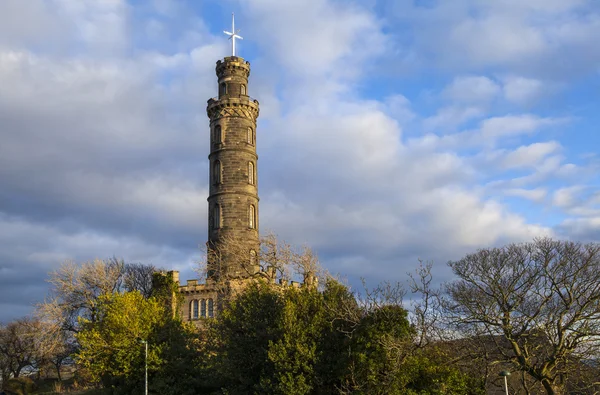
(552, 389)
(57, 366)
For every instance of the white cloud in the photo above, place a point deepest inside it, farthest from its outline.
(472, 89)
(566, 197)
(317, 38)
(496, 128)
(524, 37)
(536, 195)
(452, 116)
(529, 155)
(524, 91)
(101, 25)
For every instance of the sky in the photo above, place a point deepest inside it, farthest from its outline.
(389, 130)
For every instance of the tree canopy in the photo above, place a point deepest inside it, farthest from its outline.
(537, 303)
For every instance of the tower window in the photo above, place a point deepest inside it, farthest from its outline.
(250, 136)
(243, 89)
(211, 308)
(250, 173)
(203, 308)
(218, 135)
(252, 257)
(217, 173)
(252, 217)
(223, 88)
(216, 216)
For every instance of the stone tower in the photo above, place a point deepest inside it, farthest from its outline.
(233, 194)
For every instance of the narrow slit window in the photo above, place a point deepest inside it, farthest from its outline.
(218, 135)
(252, 217)
(217, 216)
(250, 173)
(211, 308)
(252, 257)
(250, 137)
(217, 173)
(203, 308)
(223, 89)
(243, 89)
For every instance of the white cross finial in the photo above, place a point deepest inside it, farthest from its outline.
(233, 34)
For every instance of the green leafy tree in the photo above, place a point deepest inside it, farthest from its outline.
(243, 333)
(110, 348)
(282, 340)
(294, 353)
(380, 346)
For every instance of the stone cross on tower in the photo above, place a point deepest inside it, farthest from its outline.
(233, 34)
(233, 191)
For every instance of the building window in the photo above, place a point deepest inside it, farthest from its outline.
(250, 173)
(203, 308)
(252, 257)
(194, 309)
(218, 135)
(211, 309)
(223, 89)
(252, 217)
(216, 216)
(250, 137)
(217, 174)
(243, 89)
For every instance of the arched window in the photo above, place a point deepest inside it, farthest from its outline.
(250, 173)
(216, 216)
(194, 310)
(217, 172)
(250, 137)
(252, 257)
(252, 216)
(218, 136)
(223, 89)
(211, 309)
(203, 308)
(243, 89)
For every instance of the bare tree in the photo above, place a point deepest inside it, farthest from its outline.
(75, 290)
(138, 277)
(276, 261)
(22, 345)
(537, 304)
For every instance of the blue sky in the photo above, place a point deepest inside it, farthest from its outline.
(390, 130)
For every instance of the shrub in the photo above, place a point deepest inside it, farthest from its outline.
(19, 386)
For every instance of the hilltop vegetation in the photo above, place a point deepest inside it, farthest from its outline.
(532, 309)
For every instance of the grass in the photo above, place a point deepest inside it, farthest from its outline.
(49, 387)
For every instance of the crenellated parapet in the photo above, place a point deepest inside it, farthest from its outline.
(242, 107)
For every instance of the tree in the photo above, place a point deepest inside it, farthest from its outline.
(537, 304)
(76, 289)
(242, 334)
(276, 261)
(281, 340)
(138, 277)
(21, 346)
(110, 348)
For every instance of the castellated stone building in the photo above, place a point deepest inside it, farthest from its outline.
(233, 194)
